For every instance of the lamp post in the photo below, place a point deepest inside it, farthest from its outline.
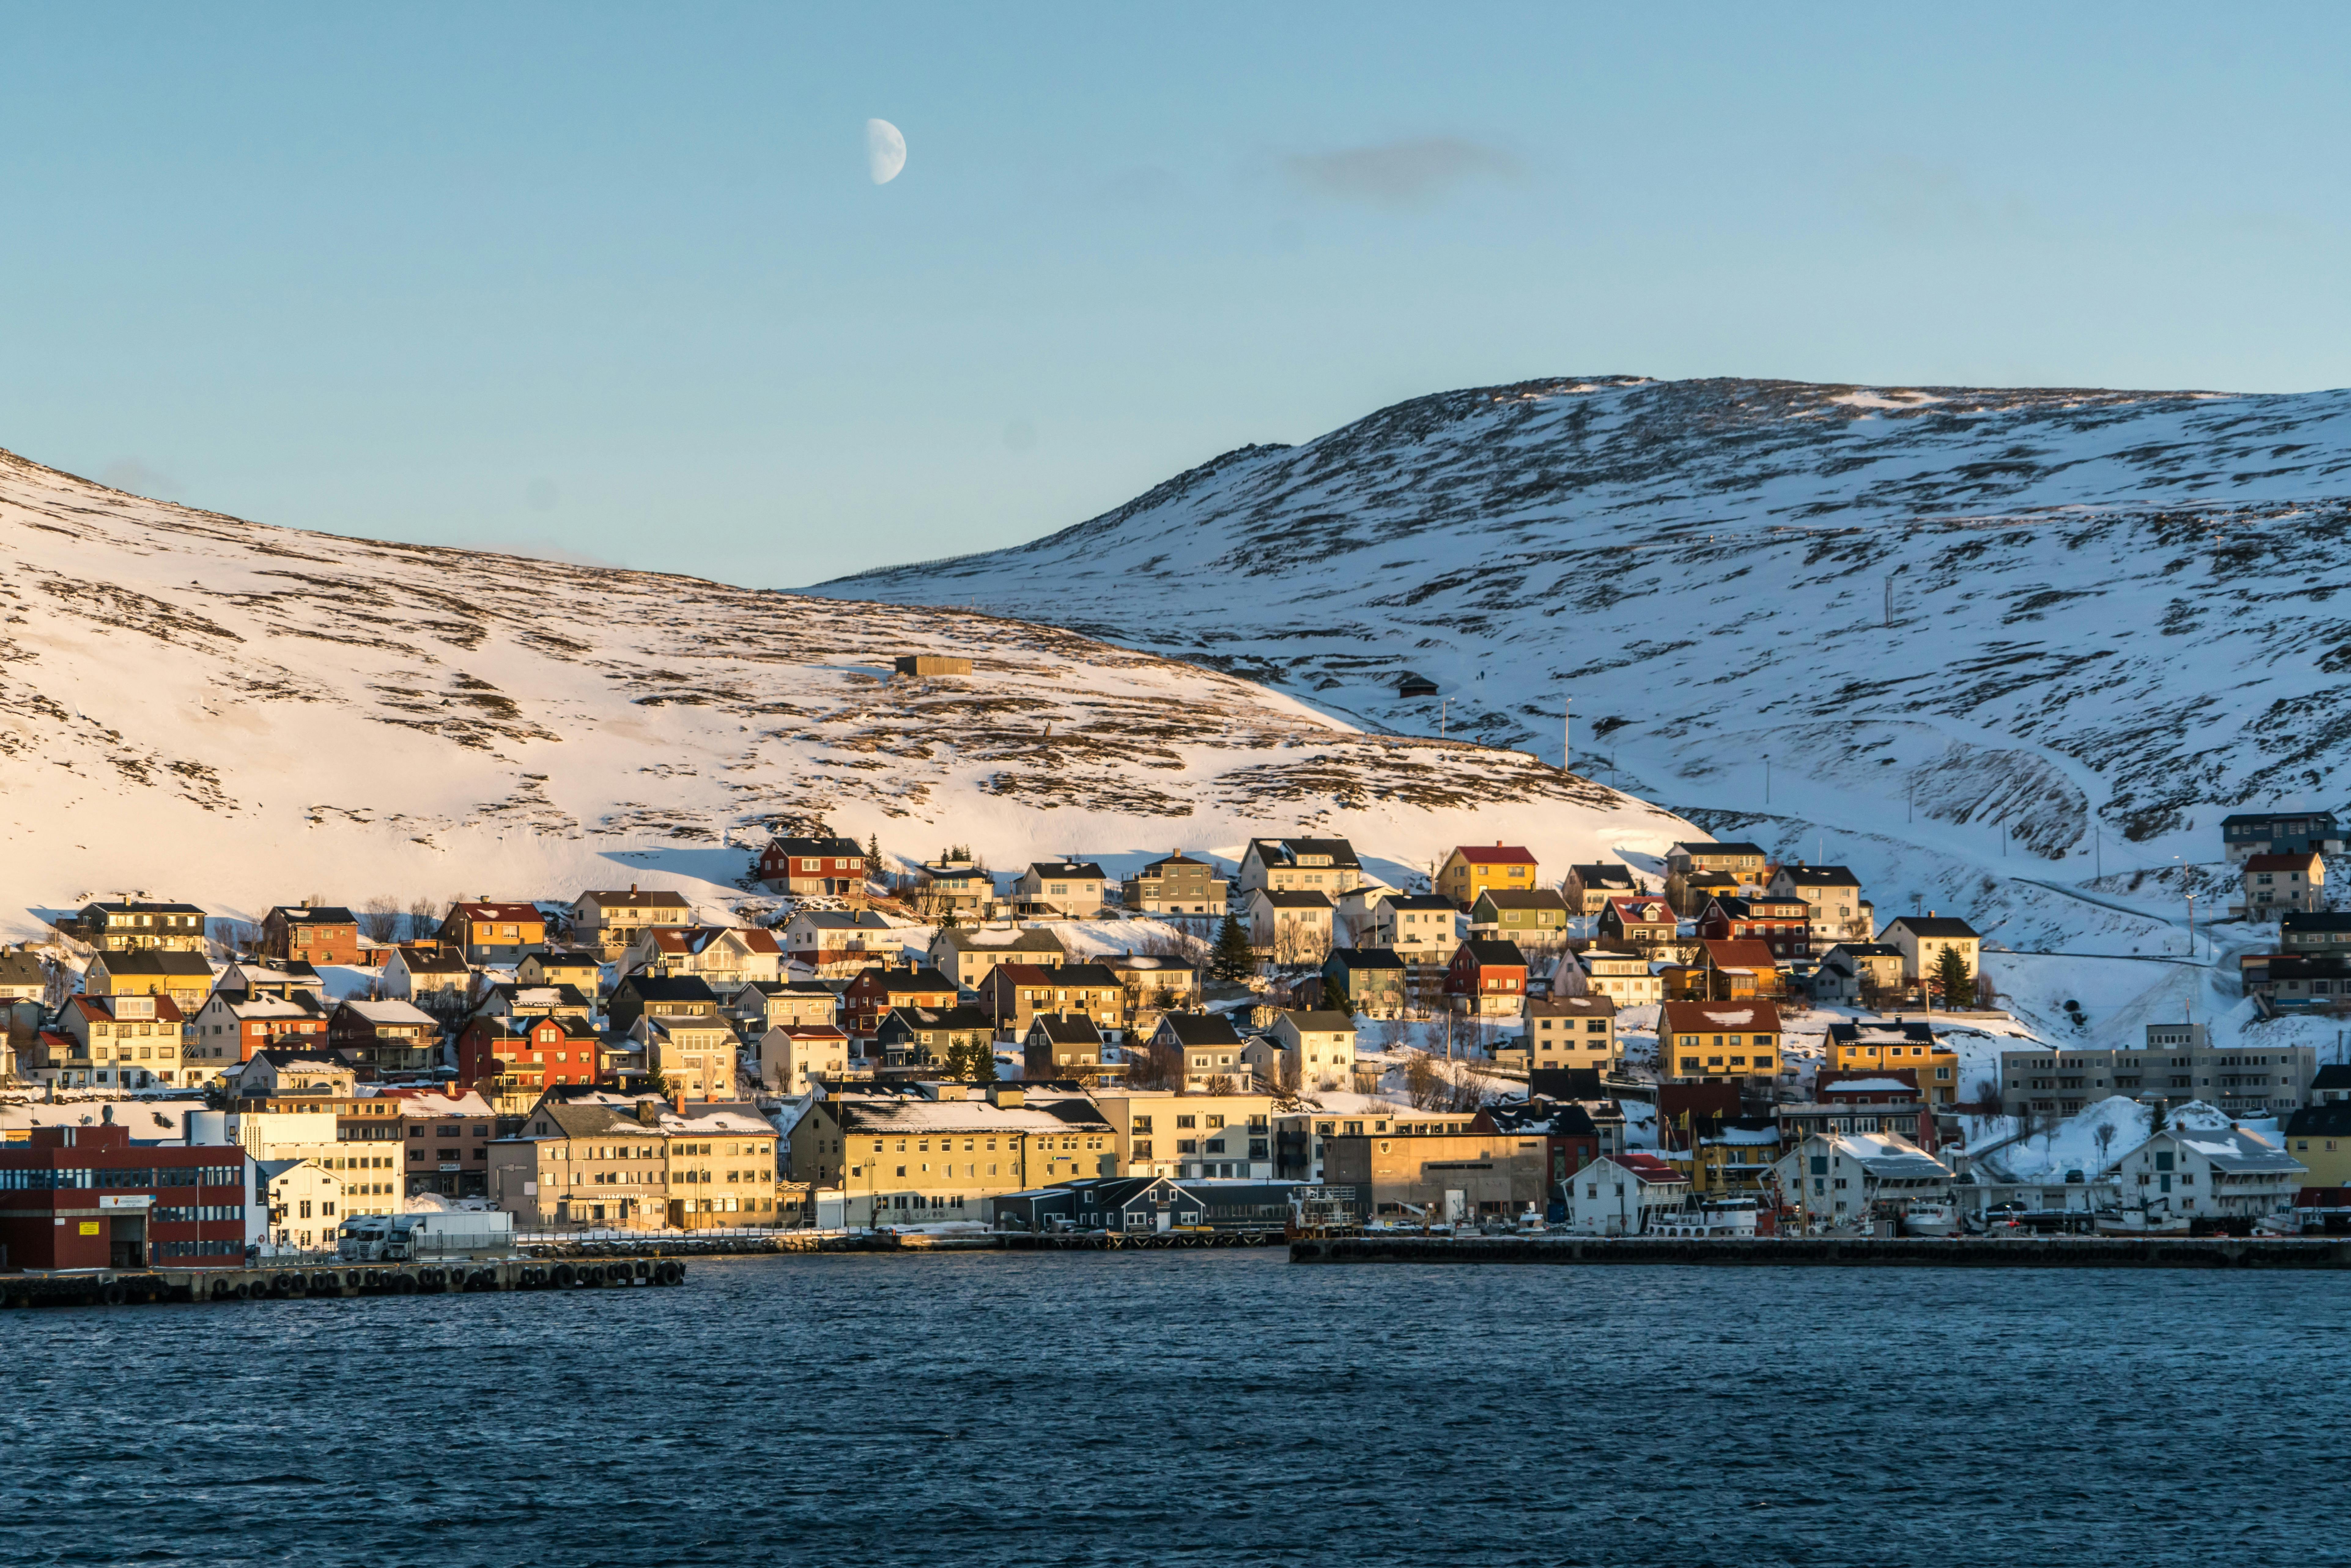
(1767, 777)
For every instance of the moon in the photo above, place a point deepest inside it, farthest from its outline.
(885, 151)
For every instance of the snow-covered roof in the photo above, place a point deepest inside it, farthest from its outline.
(2237, 1151)
(392, 1012)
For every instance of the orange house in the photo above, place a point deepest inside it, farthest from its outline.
(1472, 869)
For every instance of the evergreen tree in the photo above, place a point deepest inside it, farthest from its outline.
(1233, 957)
(1952, 980)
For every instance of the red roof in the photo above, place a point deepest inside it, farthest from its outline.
(1701, 1018)
(509, 912)
(1501, 855)
(2302, 862)
(1649, 1167)
(1642, 911)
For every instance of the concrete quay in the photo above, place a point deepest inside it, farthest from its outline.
(457, 1276)
(1958, 1252)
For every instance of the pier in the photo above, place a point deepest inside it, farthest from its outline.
(141, 1287)
(1968, 1252)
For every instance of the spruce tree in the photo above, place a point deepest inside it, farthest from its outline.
(1233, 958)
(1951, 978)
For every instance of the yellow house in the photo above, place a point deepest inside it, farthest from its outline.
(2320, 1137)
(1473, 869)
(1735, 1162)
(186, 977)
(901, 1159)
(1876, 1045)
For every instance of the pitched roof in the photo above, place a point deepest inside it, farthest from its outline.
(1882, 1031)
(836, 847)
(18, 967)
(1820, 875)
(1366, 958)
(897, 978)
(2239, 818)
(631, 898)
(390, 1012)
(1887, 1156)
(984, 939)
(419, 960)
(1607, 874)
(1293, 898)
(1592, 1004)
(670, 989)
(2301, 860)
(474, 909)
(2330, 1120)
(155, 961)
(1646, 1167)
(1523, 898)
(1642, 911)
(1200, 1029)
(1500, 854)
(877, 1114)
(1932, 926)
(1867, 950)
(1079, 870)
(2334, 1076)
(1179, 858)
(1095, 975)
(839, 920)
(1292, 852)
(1321, 1020)
(1695, 847)
(1062, 1030)
(2234, 1150)
(1488, 953)
(314, 914)
(925, 1020)
(1764, 908)
(1701, 1018)
(1415, 901)
(1867, 1080)
(1740, 953)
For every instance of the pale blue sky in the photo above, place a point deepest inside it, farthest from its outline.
(613, 281)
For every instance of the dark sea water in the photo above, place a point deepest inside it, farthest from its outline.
(1224, 1408)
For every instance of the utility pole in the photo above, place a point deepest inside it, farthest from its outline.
(1442, 704)
(1767, 777)
(1567, 734)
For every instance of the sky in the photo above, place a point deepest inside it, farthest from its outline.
(613, 285)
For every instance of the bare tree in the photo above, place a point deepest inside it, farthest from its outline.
(1155, 1066)
(423, 919)
(1288, 1073)
(1393, 1033)
(1424, 1084)
(2104, 1137)
(379, 919)
(1220, 1083)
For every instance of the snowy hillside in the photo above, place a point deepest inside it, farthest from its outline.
(2009, 654)
(2108, 604)
(198, 708)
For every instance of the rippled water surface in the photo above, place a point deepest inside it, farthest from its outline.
(1221, 1409)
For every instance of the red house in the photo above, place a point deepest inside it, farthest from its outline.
(313, 933)
(1640, 921)
(815, 868)
(86, 1197)
(532, 1054)
(1487, 977)
(1784, 925)
(1889, 1094)
(870, 997)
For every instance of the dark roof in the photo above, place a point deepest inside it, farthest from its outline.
(315, 915)
(1755, 850)
(572, 1028)
(1537, 1114)
(1415, 901)
(564, 955)
(283, 1056)
(153, 961)
(955, 1019)
(2334, 1076)
(2311, 966)
(2325, 920)
(2332, 1120)
(1887, 1029)
(1365, 957)
(422, 960)
(1868, 949)
(1290, 852)
(898, 978)
(1179, 858)
(1077, 869)
(1765, 907)
(2241, 819)
(837, 848)
(1079, 975)
(1564, 1083)
(1200, 1029)
(1484, 951)
(1820, 875)
(670, 989)
(1062, 1030)
(18, 967)
(1529, 898)
(1604, 874)
(1293, 898)
(135, 908)
(1592, 1004)
(1932, 926)
(1321, 1021)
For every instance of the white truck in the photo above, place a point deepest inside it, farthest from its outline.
(445, 1233)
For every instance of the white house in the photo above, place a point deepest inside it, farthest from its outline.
(1318, 1046)
(432, 979)
(1618, 1194)
(790, 1053)
(2189, 1171)
(1842, 1179)
(1060, 887)
(965, 954)
(843, 943)
(1422, 927)
(1290, 927)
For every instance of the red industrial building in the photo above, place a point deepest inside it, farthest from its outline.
(89, 1197)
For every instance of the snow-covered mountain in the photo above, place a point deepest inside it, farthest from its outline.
(2046, 610)
(199, 708)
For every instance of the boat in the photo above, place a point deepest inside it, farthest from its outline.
(1932, 1219)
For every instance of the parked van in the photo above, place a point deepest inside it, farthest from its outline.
(448, 1233)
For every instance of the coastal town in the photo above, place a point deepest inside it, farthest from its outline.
(1709, 1044)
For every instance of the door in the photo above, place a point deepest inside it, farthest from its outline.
(126, 1236)
(1167, 1218)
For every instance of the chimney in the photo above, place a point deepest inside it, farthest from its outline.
(632, 890)
(677, 1101)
